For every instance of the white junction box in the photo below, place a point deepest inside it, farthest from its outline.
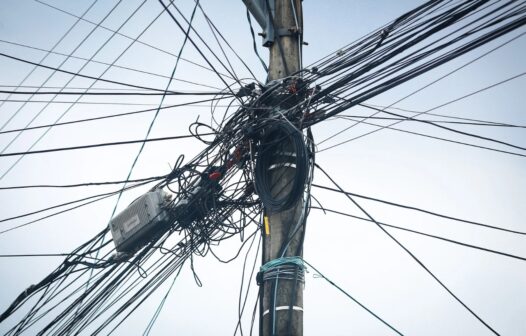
(134, 225)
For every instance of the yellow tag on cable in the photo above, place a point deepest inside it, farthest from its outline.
(267, 226)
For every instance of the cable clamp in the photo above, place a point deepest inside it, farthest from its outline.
(259, 278)
(292, 31)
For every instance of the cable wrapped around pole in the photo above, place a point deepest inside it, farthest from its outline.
(273, 153)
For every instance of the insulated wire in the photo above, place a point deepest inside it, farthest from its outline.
(49, 52)
(449, 74)
(124, 114)
(127, 37)
(480, 248)
(116, 143)
(71, 79)
(419, 210)
(422, 265)
(105, 63)
(353, 299)
(433, 137)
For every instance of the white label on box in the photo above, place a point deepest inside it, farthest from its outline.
(131, 223)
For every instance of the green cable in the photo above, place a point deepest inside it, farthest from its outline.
(300, 262)
(295, 260)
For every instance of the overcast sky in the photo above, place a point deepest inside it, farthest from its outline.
(466, 182)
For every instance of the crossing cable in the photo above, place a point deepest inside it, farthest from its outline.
(479, 121)
(404, 118)
(63, 114)
(352, 298)
(450, 118)
(418, 209)
(76, 74)
(158, 109)
(422, 33)
(48, 52)
(436, 121)
(195, 46)
(447, 75)
(231, 73)
(139, 303)
(411, 16)
(412, 118)
(74, 202)
(95, 307)
(118, 115)
(105, 144)
(215, 30)
(129, 38)
(39, 64)
(105, 63)
(155, 116)
(430, 137)
(323, 113)
(480, 248)
(72, 78)
(468, 46)
(409, 253)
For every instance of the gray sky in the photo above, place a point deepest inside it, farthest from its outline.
(460, 181)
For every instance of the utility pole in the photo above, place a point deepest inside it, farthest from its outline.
(281, 299)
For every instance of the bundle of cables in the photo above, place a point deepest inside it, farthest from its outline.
(281, 146)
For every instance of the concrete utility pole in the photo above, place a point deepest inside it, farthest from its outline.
(281, 306)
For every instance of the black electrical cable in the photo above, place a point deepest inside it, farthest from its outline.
(272, 154)
(412, 255)
(254, 42)
(195, 45)
(241, 306)
(104, 63)
(107, 301)
(116, 143)
(420, 210)
(48, 78)
(127, 37)
(73, 102)
(73, 93)
(124, 114)
(404, 118)
(419, 134)
(86, 184)
(355, 300)
(383, 110)
(76, 74)
(456, 131)
(226, 42)
(457, 52)
(480, 248)
(69, 203)
(53, 47)
(213, 30)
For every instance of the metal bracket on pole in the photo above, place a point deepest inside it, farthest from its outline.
(263, 15)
